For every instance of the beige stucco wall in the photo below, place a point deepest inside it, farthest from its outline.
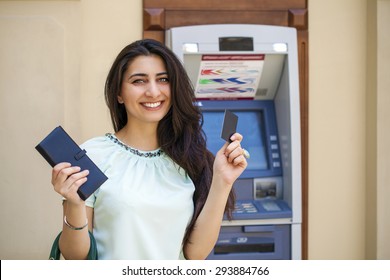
(349, 155)
(383, 117)
(54, 56)
(337, 51)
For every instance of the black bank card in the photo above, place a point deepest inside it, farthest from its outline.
(229, 126)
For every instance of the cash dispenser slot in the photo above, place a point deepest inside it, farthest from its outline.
(270, 242)
(259, 246)
(249, 244)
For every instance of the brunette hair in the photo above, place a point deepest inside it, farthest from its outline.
(180, 133)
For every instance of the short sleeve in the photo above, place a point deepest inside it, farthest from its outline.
(90, 201)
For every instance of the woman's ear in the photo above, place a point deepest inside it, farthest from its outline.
(120, 99)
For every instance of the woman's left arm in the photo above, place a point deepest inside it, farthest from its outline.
(228, 165)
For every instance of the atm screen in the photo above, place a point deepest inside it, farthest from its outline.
(250, 125)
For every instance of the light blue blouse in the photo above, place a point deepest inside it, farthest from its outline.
(142, 210)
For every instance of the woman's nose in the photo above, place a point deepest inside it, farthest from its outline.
(153, 90)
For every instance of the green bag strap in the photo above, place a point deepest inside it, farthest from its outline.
(55, 252)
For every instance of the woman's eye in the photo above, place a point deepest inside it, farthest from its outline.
(139, 81)
(164, 80)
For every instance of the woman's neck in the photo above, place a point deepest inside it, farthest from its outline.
(141, 137)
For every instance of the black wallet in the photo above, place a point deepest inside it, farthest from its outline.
(58, 147)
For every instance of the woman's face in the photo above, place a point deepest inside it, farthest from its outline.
(145, 90)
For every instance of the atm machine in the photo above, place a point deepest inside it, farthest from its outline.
(251, 70)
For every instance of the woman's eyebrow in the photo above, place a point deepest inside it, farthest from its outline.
(162, 73)
(137, 75)
(146, 75)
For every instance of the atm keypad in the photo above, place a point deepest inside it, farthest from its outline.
(245, 208)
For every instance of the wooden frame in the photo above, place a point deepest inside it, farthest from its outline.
(159, 15)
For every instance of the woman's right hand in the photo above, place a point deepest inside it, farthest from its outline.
(67, 179)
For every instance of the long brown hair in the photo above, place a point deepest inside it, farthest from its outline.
(180, 132)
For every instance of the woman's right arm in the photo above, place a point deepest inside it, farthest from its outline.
(66, 179)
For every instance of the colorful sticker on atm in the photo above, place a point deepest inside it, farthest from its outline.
(229, 76)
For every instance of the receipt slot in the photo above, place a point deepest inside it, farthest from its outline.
(251, 70)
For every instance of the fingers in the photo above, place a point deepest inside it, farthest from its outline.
(67, 179)
(236, 137)
(234, 152)
(234, 146)
(56, 170)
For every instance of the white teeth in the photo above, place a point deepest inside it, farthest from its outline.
(152, 105)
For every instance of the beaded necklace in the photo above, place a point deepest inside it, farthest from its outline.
(136, 152)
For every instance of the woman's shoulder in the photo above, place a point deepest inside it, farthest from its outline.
(95, 143)
(98, 148)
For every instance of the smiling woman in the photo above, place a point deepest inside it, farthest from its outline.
(145, 93)
(157, 164)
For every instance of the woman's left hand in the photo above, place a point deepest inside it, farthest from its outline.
(230, 161)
